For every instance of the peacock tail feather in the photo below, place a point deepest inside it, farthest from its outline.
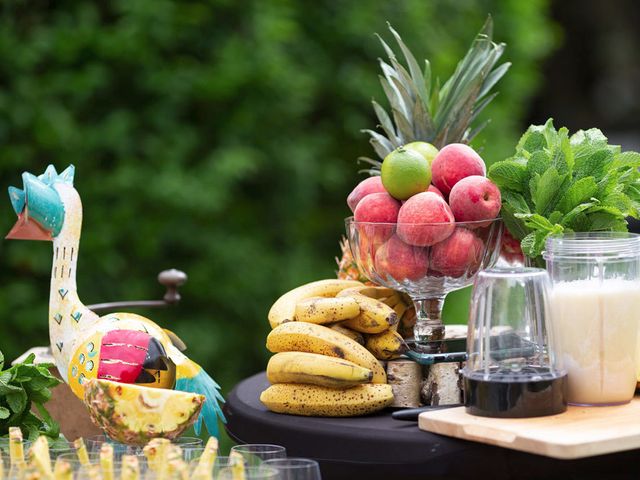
(190, 377)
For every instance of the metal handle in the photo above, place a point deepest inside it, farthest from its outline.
(431, 358)
(171, 279)
(412, 414)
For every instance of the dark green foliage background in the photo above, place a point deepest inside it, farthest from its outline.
(216, 137)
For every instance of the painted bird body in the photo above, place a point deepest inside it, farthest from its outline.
(120, 347)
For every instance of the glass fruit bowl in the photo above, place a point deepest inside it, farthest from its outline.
(425, 261)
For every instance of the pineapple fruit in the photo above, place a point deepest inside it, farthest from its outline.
(422, 110)
(134, 414)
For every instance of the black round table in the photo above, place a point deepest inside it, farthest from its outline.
(378, 447)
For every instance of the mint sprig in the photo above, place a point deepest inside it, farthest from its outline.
(559, 183)
(23, 386)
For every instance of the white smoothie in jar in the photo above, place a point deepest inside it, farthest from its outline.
(597, 323)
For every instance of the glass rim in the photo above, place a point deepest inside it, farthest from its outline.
(282, 462)
(583, 245)
(513, 272)
(351, 221)
(249, 445)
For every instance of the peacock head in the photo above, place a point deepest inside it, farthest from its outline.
(38, 205)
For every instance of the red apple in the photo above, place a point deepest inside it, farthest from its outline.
(459, 254)
(401, 261)
(425, 219)
(373, 209)
(475, 198)
(435, 190)
(453, 163)
(364, 188)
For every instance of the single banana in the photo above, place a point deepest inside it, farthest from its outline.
(386, 345)
(312, 338)
(375, 316)
(400, 308)
(326, 310)
(392, 300)
(314, 369)
(367, 291)
(407, 322)
(285, 307)
(312, 400)
(352, 334)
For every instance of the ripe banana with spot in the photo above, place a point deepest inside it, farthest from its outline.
(312, 338)
(352, 334)
(326, 310)
(284, 309)
(367, 291)
(314, 369)
(375, 316)
(386, 345)
(312, 400)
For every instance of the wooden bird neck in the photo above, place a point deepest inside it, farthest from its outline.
(68, 317)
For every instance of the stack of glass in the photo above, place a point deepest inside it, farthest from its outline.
(99, 458)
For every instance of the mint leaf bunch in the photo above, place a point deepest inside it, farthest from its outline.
(559, 183)
(23, 386)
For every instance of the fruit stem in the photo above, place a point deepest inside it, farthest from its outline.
(429, 330)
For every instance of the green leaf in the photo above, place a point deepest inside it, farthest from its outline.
(593, 164)
(508, 174)
(550, 133)
(604, 221)
(562, 158)
(549, 189)
(4, 413)
(581, 191)
(621, 202)
(532, 140)
(1, 360)
(538, 163)
(628, 159)
(528, 244)
(575, 219)
(555, 217)
(516, 201)
(535, 220)
(17, 401)
(585, 142)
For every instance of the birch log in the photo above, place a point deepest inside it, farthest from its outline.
(405, 378)
(443, 385)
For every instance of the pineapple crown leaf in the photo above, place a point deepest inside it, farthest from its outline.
(416, 74)
(421, 108)
(376, 164)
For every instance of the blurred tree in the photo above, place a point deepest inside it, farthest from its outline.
(218, 137)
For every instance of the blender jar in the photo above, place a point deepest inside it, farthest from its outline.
(596, 306)
(513, 369)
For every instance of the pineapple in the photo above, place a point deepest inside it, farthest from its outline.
(424, 112)
(134, 414)
(347, 266)
(421, 110)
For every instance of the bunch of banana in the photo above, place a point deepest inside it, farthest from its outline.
(328, 337)
(319, 371)
(375, 317)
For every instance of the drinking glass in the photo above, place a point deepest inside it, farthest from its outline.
(295, 468)
(261, 472)
(256, 453)
(513, 365)
(443, 257)
(223, 470)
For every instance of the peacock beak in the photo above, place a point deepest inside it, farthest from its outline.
(27, 228)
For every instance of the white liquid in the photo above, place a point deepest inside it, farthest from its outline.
(597, 327)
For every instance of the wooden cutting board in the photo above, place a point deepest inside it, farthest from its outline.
(577, 433)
